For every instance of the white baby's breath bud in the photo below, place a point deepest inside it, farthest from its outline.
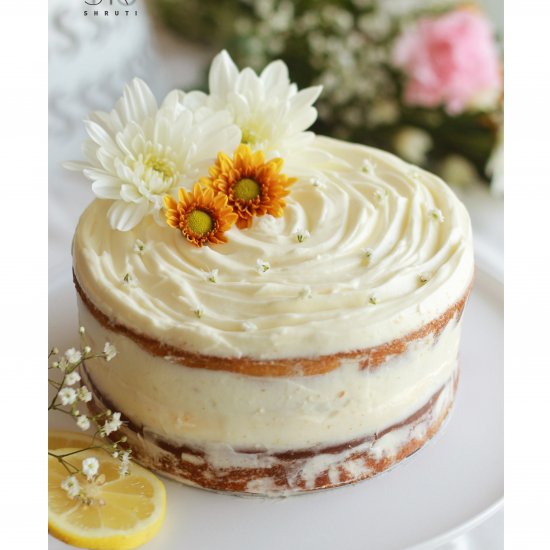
(373, 299)
(55, 350)
(367, 166)
(73, 356)
(113, 424)
(63, 364)
(87, 350)
(55, 364)
(306, 293)
(67, 396)
(424, 277)
(262, 266)
(212, 276)
(367, 254)
(436, 214)
(249, 326)
(115, 454)
(82, 330)
(139, 246)
(71, 486)
(124, 463)
(84, 394)
(317, 182)
(415, 173)
(110, 351)
(83, 422)
(129, 281)
(380, 195)
(199, 312)
(72, 378)
(301, 235)
(90, 467)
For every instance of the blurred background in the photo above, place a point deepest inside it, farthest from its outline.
(420, 78)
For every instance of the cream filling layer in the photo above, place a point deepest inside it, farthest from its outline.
(223, 409)
(390, 249)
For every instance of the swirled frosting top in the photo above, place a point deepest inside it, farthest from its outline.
(384, 248)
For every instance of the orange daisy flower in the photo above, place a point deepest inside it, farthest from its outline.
(252, 186)
(200, 215)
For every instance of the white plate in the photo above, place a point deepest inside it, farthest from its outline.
(443, 490)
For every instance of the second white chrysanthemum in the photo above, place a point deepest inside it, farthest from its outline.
(269, 110)
(139, 152)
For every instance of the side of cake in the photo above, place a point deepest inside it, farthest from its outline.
(313, 344)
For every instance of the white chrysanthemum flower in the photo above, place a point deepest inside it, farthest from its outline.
(90, 467)
(73, 356)
(71, 485)
(139, 152)
(113, 424)
(269, 110)
(83, 422)
(72, 378)
(84, 394)
(110, 351)
(67, 396)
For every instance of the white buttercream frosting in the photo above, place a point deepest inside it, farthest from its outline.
(388, 249)
(224, 410)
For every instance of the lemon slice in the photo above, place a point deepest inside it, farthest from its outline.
(58, 439)
(122, 513)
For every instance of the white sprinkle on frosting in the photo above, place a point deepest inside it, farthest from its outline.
(262, 266)
(436, 214)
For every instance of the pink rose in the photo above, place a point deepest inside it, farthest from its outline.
(449, 60)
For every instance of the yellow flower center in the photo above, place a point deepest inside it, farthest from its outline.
(247, 189)
(163, 166)
(200, 222)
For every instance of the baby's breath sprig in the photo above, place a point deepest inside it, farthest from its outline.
(69, 395)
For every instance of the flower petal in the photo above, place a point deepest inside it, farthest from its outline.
(137, 102)
(75, 165)
(106, 187)
(223, 74)
(100, 136)
(129, 193)
(124, 216)
(275, 77)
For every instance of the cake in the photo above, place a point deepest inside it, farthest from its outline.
(303, 343)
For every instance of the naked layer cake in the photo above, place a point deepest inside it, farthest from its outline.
(286, 307)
